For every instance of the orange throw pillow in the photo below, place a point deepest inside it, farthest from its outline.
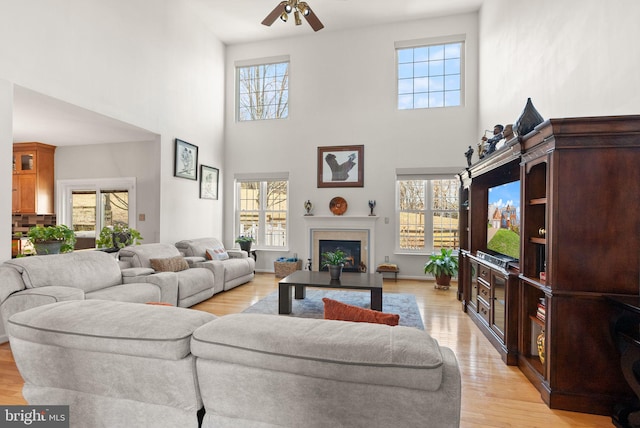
(334, 310)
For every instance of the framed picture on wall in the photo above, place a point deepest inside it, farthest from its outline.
(341, 166)
(186, 160)
(208, 182)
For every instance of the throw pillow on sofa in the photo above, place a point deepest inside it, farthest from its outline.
(334, 310)
(218, 253)
(169, 264)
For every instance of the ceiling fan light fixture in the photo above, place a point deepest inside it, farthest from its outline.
(297, 17)
(284, 17)
(288, 8)
(304, 9)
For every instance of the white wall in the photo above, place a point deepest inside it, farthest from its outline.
(572, 57)
(136, 159)
(342, 91)
(150, 63)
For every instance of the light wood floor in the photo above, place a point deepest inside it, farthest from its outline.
(493, 394)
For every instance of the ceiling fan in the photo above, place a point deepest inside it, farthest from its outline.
(284, 8)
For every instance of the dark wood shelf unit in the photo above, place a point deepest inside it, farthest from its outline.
(580, 199)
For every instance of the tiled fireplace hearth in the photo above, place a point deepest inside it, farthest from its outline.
(351, 229)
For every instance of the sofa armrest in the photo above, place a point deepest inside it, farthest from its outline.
(130, 275)
(237, 254)
(168, 284)
(11, 282)
(217, 268)
(33, 297)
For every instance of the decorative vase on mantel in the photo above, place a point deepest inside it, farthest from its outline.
(528, 120)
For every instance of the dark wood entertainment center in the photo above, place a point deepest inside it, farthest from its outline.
(580, 226)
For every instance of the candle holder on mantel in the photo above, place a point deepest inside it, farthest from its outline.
(372, 205)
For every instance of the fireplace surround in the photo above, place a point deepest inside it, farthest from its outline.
(341, 228)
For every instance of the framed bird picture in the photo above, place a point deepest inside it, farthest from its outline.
(341, 166)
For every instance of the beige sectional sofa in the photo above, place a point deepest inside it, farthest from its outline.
(154, 366)
(231, 272)
(34, 281)
(195, 284)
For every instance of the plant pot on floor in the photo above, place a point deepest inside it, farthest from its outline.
(443, 281)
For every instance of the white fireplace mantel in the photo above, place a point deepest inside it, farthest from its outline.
(342, 223)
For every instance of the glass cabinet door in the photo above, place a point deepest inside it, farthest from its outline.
(499, 283)
(473, 280)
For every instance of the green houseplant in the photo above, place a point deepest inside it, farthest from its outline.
(52, 239)
(443, 266)
(334, 260)
(118, 236)
(245, 242)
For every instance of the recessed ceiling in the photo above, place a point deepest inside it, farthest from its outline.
(239, 21)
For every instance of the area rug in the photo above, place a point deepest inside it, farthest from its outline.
(312, 306)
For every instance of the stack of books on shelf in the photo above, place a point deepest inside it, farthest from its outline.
(541, 313)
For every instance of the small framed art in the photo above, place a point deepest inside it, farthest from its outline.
(341, 166)
(186, 160)
(208, 182)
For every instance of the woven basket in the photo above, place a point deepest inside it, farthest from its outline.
(283, 269)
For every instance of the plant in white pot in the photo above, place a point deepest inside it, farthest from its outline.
(443, 266)
(334, 260)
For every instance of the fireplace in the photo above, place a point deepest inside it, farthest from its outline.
(351, 249)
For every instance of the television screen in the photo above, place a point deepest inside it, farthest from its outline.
(503, 223)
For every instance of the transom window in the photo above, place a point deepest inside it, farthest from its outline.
(429, 76)
(262, 211)
(428, 214)
(263, 91)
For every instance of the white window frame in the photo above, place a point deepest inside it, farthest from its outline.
(428, 174)
(263, 178)
(65, 188)
(255, 63)
(433, 41)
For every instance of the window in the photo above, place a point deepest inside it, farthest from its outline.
(428, 214)
(86, 206)
(429, 75)
(263, 90)
(262, 210)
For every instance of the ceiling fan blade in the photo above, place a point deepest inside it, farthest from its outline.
(275, 14)
(313, 20)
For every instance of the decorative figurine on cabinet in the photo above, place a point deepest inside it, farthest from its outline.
(468, 155)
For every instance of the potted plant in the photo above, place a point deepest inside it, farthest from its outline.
(118, 236)
(443, 266)
(245, 242)
(52, 239)
(334, 260)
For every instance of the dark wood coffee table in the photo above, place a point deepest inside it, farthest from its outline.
(301, 279)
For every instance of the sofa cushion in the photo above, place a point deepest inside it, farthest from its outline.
(86, 270)
(334, 310)
(169, 264)
(105, 326)
(401, 356)
(217, 253)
